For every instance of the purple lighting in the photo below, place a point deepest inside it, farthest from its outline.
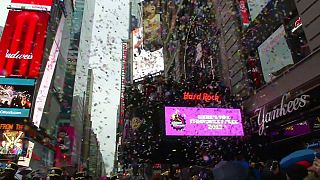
(186, 121)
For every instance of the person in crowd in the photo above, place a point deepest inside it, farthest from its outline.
(272, 171)
(55, 173)
(296, 172)
(10, 171)
(314, 170)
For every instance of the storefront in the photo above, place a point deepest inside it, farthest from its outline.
(289, 122)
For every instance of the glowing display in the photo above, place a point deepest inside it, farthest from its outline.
(186, 121)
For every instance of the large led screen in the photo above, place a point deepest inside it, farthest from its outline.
(14, 143)
(151, 26)
(22, 43)
(189, 121)
(16, 97)
(274, 54)
(145, 62)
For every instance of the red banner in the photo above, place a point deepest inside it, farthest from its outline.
(35, 2)
(244, 12)
(22, 42)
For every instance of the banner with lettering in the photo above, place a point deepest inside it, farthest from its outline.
(244, 12)
(22, 43)
(34, 2)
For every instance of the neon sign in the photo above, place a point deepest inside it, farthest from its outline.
(17, 127)
(285, 107)
(201, 96)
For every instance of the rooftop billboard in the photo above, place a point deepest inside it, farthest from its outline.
(193, 121)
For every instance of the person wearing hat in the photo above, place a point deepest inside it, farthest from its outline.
(54, 173)
(10, 171)
(79, 175)
(296, 172)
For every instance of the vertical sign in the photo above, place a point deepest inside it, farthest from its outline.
(244, 12)
(22, 43)
(123, 81)
(47, 76)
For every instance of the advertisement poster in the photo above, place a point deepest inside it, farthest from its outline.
(274, 54)
(255, 7)
(189, 121)
(16, 97)
(13, 143)
(151, 26)
(145, 62)
(22, 43)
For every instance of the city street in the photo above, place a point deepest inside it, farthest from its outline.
(160, 89)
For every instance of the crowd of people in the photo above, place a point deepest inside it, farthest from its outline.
(14, 172)
(147, 143)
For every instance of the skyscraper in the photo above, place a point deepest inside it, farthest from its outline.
(1, 30)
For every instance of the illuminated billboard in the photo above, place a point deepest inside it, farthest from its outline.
(13, 143)
(16, 97)
(145, 62)
(47, 76)
(274, 54)
(192, 121)
(22, 43)
(151, 27)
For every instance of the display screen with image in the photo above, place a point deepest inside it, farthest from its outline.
(145, 62)
(193, 121)
(16, 97)
(13, 143)
(274, 54)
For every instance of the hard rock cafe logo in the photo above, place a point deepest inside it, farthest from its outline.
(18, 55)
(177, 121)
(286, 107)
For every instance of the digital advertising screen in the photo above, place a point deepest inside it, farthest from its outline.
(151, 26)
(22, 43)
(16, 96)
(274, 53)
(13, 143)
(194, 121)
(145, 62)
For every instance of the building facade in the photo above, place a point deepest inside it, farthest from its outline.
(1, 30)
(268, 51)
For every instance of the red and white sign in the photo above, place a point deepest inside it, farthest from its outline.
(244, 12)
(34, 2)
(22, 43)
(35, 5)
(297, 24)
